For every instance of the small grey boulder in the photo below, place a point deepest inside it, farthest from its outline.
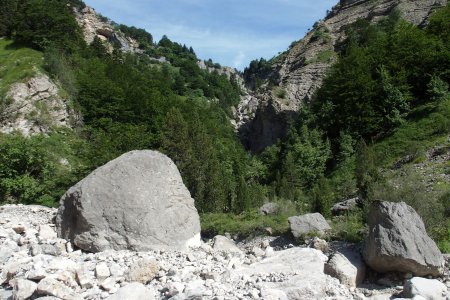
(133, 291)
(270, 208)
(430, 289)
(223, 244)
(309, 223)
(344, 207)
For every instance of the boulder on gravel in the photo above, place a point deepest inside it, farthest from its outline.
(398, 241)
(223, 244)
(308, 280)
(143, 270)
(309, 223)
(347, 266)
(430, 289)
(23, 289)
(136, 202)
(133, 291)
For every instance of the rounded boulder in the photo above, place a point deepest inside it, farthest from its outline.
(135, 202)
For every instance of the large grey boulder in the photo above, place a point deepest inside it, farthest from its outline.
(137, 202)
(398, 241)
(309, 223)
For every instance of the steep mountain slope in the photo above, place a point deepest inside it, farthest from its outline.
(277, 90)
(30, 102)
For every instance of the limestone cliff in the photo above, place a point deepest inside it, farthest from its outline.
(94, 25)
(264, 114)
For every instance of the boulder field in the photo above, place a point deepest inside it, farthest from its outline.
(130, 231)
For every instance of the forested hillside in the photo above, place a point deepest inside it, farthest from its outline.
(378, 127)
(127, 101)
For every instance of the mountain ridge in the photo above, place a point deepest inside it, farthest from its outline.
(299, 71)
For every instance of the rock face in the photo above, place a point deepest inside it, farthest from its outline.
(263, 116)
(308, 223)
(93, 25)
(137, 201)
(34, 107)
(398, 241)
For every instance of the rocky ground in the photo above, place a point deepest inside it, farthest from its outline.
(35, 263)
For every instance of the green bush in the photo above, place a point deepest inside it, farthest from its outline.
(244, 225)
(39, 169)
(348, 228)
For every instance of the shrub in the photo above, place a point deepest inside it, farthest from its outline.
(348, 228)
(245, 225)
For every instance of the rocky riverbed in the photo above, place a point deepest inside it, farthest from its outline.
(36, 264)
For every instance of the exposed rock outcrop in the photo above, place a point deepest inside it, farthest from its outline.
(93, 25)
(398, 241)
(137, 201)
(300, 71)
(35, 106)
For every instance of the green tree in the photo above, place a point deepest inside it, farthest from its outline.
(322, 197)
(366, 171)
(44, 23)
(175, 140)
(8, 15)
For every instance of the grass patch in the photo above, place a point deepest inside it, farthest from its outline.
(17, 64)
(323, 57)
(427, 126)
(348, 228)
(244, 225)
(280, 92)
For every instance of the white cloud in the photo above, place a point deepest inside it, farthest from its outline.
(239, 60)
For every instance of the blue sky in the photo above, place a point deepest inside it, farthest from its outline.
(230, 32)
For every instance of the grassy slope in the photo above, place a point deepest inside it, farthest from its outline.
(16, 64)
(422, 180)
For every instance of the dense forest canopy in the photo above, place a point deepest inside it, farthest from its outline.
(389, 78)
